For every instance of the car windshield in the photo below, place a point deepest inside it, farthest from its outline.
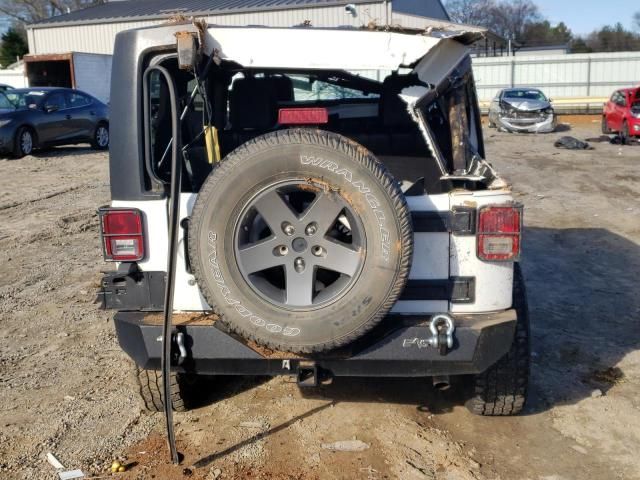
(523, 94)
(5, 104)
(25, 98)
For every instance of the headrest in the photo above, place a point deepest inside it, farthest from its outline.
(252, 104)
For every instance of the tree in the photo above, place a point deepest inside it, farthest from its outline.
(511, 18)
(542, 33)
(608, 39)
(579, 45)
(13, 46)
(471, 12)
(29, 11)
(507, 18)
(636, 20)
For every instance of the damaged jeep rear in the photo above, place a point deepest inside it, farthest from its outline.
(334, 213)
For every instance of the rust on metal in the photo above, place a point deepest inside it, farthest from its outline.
(188, 318)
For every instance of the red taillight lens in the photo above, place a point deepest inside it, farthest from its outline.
(499, 233)
(122, 235)
(303, 116)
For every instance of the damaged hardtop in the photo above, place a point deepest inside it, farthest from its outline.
(439, 94)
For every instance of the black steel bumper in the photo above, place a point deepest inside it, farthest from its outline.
(479, 342)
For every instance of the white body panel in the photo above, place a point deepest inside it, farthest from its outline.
(436, 255)
(494, 280)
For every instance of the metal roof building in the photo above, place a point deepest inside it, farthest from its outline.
(93, 29)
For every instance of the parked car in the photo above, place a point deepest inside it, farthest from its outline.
(622, 113)
(352, 227)
(522, 110)
(40, 117)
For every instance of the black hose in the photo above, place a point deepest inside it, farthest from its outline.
(174, 213)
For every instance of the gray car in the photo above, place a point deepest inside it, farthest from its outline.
(40, 117)
(522, 110)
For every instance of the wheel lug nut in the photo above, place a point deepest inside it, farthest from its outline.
(311, 229)
(288, 229)
(318, 251)
(299, 264)
(282, 250)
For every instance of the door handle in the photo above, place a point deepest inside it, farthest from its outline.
(68, 117)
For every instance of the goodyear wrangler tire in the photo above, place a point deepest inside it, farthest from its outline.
(301, 240)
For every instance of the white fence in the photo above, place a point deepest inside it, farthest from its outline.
(594, 75)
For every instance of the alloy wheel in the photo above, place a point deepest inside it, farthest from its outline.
(299, 246)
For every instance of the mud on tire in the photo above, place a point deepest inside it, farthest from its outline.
(502, 389)
(301, 240)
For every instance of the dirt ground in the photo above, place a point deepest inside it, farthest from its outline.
(66, 387)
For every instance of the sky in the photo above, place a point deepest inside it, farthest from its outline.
(585, 16)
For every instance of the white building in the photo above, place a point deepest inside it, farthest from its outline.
(74, 50)
(93, 29)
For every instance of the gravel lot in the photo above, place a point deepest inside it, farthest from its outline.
(65, 386)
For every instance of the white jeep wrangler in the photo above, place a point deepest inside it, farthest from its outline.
(334, 213)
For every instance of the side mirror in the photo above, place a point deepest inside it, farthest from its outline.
(551, 100)
(51, 108)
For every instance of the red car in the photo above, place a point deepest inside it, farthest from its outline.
(622, 113)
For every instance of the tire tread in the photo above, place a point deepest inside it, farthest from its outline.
(151, 391)
(502, 389)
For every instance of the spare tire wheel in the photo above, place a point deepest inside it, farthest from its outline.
(301, 240)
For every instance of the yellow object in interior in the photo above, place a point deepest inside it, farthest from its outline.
(211, 140)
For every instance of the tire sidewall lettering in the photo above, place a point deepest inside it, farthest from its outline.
(244, 312)
(360, 187)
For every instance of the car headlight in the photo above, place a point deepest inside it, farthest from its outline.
(548, 111)
(4, 123)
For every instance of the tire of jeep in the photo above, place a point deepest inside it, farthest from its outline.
(151, 391)
(502, 389)
(301, 240)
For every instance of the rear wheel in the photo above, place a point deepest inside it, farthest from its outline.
(24, 142)
(101, 137)
(151, 391)
(502, 389)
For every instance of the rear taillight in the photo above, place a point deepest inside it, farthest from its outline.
(122, 234)
(303, 116)
(499, 233)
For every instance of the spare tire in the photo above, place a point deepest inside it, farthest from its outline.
(301, 240)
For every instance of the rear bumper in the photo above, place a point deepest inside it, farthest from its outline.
(479, 342)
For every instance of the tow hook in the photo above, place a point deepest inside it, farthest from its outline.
(179, 357)
(179, 338)
(442, 329)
